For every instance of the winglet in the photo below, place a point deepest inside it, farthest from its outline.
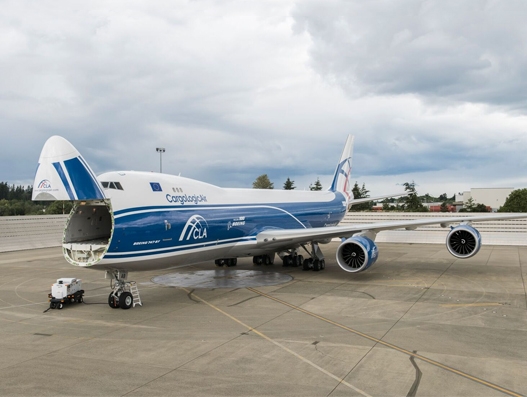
(63, 174)
(341, 179)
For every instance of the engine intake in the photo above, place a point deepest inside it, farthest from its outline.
(357, 254)
(463, 241)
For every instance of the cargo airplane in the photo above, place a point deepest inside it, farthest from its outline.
(134, 221)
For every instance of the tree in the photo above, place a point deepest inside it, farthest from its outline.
(16, 200)
(444, 206)
(386, 205)
(359, 193)
(316, 186)
(516, 202)
(59, 207)
(289, 184)
(472, 206)
(443, 197)
(412, 203)
(263, 182)
(481, 208)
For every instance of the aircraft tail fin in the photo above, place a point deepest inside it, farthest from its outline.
(341, 179)
(63, 174)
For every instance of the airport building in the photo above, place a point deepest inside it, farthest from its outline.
(491, 197)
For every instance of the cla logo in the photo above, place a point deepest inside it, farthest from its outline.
(44, 184)
(195, 228)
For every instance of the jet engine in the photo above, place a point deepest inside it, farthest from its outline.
(463, 241)
(357, 254)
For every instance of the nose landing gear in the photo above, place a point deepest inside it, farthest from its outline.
(125, 294)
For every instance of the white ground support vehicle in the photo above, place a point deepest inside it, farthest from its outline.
(65, 290)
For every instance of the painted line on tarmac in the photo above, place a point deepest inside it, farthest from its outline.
(262, 335)
(472, 304)
(394, 347)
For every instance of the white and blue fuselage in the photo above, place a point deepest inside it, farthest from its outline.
(153, 221)
(143, 220)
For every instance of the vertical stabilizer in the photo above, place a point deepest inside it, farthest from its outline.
(62, 174)
(341, 179)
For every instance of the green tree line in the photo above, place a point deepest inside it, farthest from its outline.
(16, 200)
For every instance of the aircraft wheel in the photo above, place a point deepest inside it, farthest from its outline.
(267, 260)
(218, 263)
(288, 260)
(308, 264)
(300, 260)
(316, 265)
(126, 300)
(322, 264)
(113, 301)
(294, 260)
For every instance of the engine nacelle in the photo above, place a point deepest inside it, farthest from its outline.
(357, 254)
(463, 241)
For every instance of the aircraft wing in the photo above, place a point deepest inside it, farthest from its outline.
(376, 198)
(281, 237)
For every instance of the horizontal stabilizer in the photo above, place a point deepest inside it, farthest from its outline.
(63, 174)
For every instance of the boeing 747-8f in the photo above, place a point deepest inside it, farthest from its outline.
(132, 221)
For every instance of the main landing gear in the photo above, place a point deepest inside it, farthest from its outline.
(229, 262)
(125, 294)
(316, 261)
(263, 260)
(293, 258)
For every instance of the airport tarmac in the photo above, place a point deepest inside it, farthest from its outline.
(418, 323)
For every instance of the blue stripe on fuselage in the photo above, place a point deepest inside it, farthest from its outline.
(64, 180)
(83, 181)
(156, 230)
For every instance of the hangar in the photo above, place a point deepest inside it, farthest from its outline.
(491, 197)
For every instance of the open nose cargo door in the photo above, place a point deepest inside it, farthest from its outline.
(63, 174)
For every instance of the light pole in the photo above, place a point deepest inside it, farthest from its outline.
(161, 150)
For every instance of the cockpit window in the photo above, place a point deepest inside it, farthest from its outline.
(112, 185)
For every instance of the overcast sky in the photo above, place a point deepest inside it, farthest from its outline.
(434, 91)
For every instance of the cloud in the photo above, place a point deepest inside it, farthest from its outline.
(432, 90)
(464, 51)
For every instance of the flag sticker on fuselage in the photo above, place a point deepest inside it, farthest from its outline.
(156, 187)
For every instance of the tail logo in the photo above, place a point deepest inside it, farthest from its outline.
(195, 229)
(44, 184)
(341, 182)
